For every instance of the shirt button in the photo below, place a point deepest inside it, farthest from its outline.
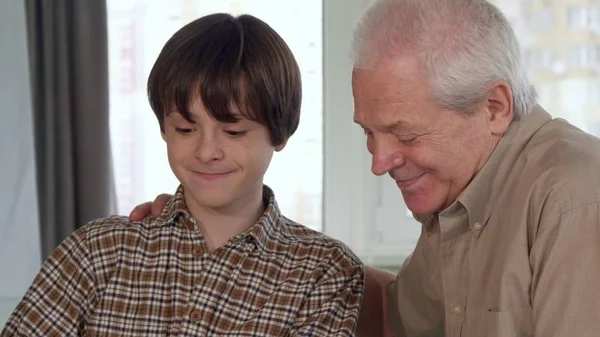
(198, 251)
(195, 315)
(457, 309)
(477, 226)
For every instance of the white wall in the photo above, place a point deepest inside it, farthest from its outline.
(19, 235)
(364, 211)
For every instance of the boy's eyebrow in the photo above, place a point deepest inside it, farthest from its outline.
(238, 115)
(174, 113)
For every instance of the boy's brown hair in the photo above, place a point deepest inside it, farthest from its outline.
(227, 60)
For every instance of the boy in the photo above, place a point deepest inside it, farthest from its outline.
(221, 260)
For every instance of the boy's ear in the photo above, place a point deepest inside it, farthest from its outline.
(162, 134)
(281, 146)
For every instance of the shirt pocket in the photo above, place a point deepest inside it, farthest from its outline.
(514, 322)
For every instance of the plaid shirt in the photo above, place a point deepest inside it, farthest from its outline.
(115, 277)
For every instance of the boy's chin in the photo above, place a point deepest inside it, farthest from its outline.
(213, 198)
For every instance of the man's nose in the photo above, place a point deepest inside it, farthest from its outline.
(386, 158)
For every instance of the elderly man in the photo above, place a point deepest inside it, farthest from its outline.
(508, 198)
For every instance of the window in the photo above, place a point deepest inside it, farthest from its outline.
(584, 17)
(583, 56)
(576, 17)
(576, 56)
(593, 95)
(594, 18)
(594, 128)
(544, 20)
(538, 58)
(137, 31)
(544, 58)
(546, 94)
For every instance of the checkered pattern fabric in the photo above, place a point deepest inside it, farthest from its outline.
(115, 277)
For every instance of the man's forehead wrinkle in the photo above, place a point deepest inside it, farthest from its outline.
(393, 105)
(392, 89)
(387, 109)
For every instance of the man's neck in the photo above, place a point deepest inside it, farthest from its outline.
(220, 225)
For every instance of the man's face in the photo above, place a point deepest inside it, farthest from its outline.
(220, 165)
(431, 153)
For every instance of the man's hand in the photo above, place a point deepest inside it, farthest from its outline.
(373, 320)
(153, 209)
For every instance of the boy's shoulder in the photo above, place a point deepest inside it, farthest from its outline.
(116, 228)
(119, 222)
(296, 244)
(306, 242)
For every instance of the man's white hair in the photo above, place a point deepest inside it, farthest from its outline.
(463, 47)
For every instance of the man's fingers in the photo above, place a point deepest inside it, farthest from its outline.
(153, 209)
(159, 203)
(140, 211)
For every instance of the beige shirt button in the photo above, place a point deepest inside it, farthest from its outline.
(195, 315)
(477, 226)
(457, 309)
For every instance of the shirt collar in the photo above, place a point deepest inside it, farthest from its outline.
(174, 208)
(261, 232)
(480, 196)
(265, 229)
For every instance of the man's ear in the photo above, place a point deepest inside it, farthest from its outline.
(281, 146)
(162, 134)
(499, 108)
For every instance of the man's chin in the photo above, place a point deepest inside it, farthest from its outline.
(420, 204)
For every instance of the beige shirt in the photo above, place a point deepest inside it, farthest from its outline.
(518, 254)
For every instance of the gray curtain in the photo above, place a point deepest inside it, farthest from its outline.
(68, 46)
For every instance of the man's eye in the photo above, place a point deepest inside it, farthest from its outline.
(233, 133)
(183, 131)
(407, 140)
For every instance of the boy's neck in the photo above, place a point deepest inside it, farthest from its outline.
(218, 226)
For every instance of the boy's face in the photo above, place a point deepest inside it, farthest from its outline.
(220, 165)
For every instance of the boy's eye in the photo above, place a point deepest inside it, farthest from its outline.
(233, 133)
(183, 131)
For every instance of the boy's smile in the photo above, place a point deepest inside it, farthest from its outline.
(209, 176)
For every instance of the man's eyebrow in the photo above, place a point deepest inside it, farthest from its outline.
(402, 124)
(396, 126)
